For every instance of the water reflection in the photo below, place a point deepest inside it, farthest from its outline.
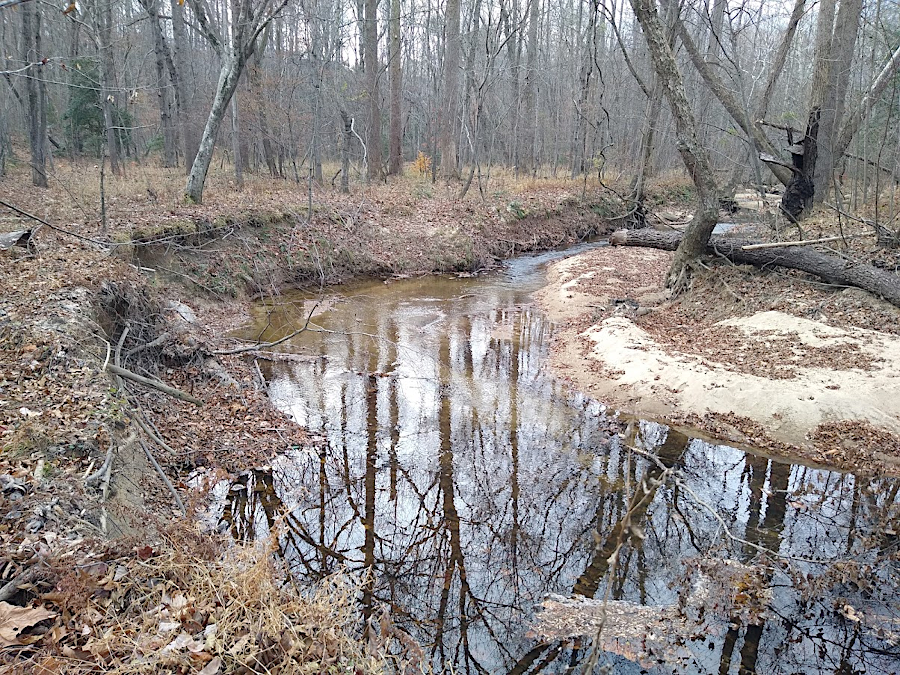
(471, 484)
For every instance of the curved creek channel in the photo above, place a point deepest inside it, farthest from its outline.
(452, 474)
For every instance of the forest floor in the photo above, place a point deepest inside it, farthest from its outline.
(765, 359)
(100, 567)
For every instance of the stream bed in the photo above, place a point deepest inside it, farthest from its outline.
(451, 473)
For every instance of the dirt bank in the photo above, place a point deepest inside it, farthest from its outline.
(767, 360)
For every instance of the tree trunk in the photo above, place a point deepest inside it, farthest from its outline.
(448, 159)
(236, 143)
(108, 92)
(36, 92)
(840, 58)
(345, 152)
(510, 20)
(830, 268)
(259, 100)
(190, 139)
(232, 64)
(162, 90)
(579, 140)
(693, 154)
(862, 109)
(835, 41)
(395, 153)
(370, 37)
(529, 95)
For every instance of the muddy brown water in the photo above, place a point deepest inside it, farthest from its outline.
(451, 471)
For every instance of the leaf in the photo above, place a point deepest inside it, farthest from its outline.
(14, 619)
(145, 553)
(212, 668)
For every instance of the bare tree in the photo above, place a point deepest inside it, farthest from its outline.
(109, 98)
(370, 39)
(233, 48)
(190, 141)
(395, 151)
(449, 167)
(36, 93)
(836, 33)
(693, 154)
(164, 100)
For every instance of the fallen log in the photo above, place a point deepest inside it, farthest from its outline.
(831, 268)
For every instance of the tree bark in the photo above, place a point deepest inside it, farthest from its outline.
(840, 57)
(36, 93)
(228, 79)
(345, 152)
(370, 38)
(830, 268)
(108, 92)
(693, 154)
(529, 95)
(162, 89)
(395, 152)
(448, 159)
(190, 139)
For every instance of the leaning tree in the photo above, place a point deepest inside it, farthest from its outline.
(234, 44)
(693, 154)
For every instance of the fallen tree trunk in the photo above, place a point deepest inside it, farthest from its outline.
(829, 267)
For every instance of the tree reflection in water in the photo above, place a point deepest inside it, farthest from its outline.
(467, 486)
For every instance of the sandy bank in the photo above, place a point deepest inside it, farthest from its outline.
(759, 359)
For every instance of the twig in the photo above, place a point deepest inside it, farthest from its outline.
(162, 475)
(733, 537)
(156, 384)
(106, 360)
(805, 242)
(52, 227)
(29, 572)
(264, 345)
(146, 428)
(262, 380)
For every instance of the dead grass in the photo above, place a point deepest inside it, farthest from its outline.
(193, 603)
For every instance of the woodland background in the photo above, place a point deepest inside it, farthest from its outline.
(300, 89)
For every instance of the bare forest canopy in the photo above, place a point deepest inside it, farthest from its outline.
(800, 93)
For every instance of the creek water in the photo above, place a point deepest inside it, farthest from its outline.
(462, 483)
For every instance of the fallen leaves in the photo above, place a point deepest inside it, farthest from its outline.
(14, 620)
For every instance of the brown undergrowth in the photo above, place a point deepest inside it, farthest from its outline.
(191, 603)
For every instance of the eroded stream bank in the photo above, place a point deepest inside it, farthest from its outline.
(449, 465)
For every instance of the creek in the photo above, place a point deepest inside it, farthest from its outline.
(450, 472)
